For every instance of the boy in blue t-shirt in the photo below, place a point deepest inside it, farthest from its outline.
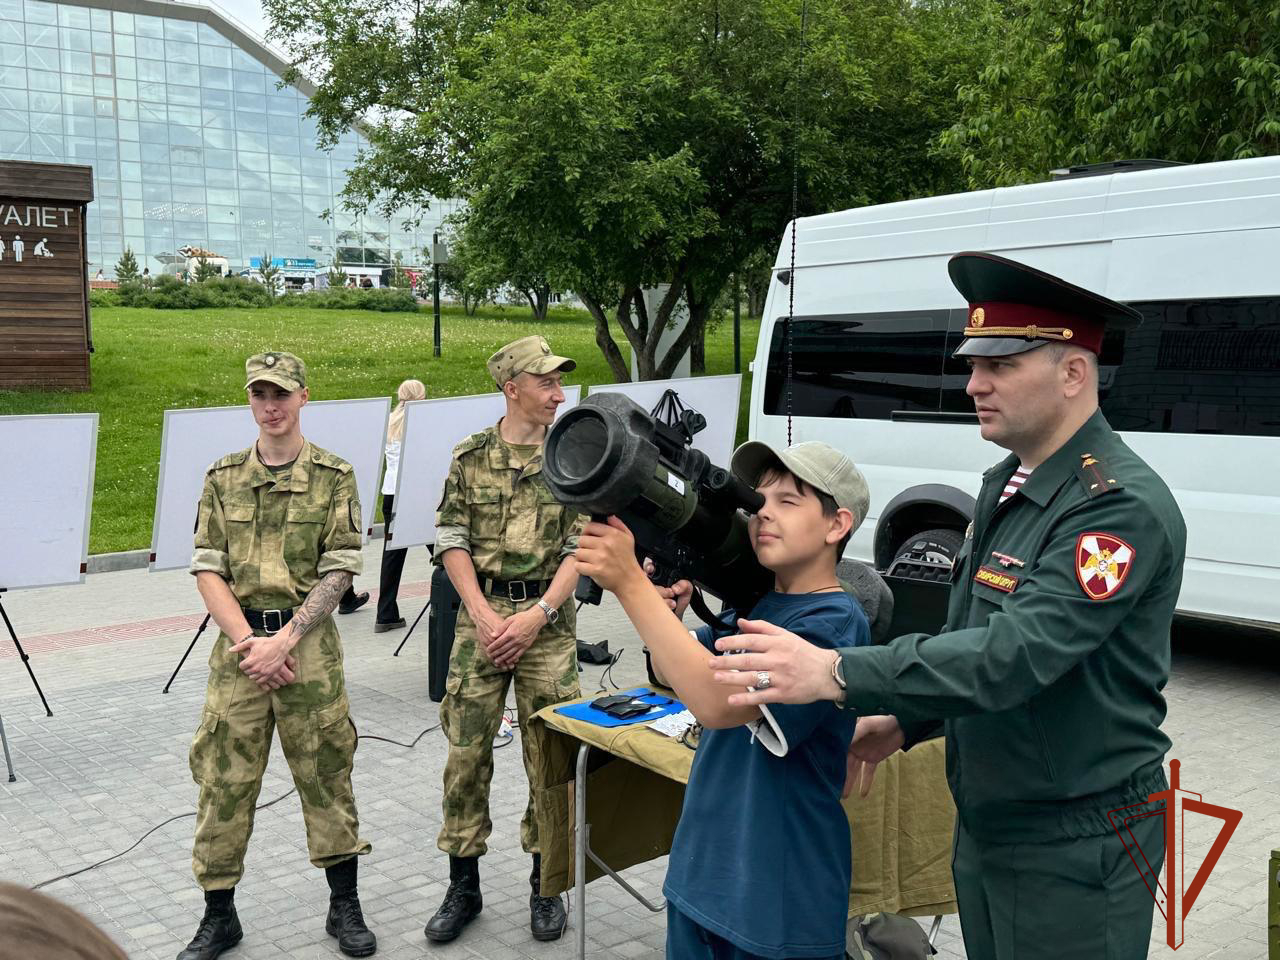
(760, 864)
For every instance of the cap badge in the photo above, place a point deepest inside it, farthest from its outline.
(269, 359)
(979, 316)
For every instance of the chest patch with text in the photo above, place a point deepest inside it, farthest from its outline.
(996, 579)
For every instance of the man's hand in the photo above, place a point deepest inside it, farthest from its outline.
(515, 637)
(283, 677)
(265, 656)
(799, 671)
(607, 554)
(677, 595)
(874, 739)
(489, 623)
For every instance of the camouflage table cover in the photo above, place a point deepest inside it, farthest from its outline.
(901, 832)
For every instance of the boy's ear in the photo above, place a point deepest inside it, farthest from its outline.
(841, 524)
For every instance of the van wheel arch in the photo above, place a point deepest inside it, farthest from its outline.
(918, 509)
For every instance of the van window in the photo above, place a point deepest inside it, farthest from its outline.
(1202, 366)
(1199, 366)
(864, 365)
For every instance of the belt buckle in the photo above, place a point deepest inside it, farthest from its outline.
(279, 620)
(524, 591)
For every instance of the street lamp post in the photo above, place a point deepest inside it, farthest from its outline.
(435, 290)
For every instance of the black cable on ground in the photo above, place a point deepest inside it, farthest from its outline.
(192, 813)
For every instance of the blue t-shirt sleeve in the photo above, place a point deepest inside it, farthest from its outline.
(703, 634)
(829, 629)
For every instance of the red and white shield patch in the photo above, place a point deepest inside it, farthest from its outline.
(1102, 563)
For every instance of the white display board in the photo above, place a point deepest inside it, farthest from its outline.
(46, 491)
(432, 428)
(716, 398)
(193, 440)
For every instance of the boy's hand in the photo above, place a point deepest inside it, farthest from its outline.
(874, 739)
(607, 554)
(677, 595)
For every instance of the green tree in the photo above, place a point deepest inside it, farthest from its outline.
(1080, 82)
(608, 145)
(270, 274)
(127, 267)
(337, 278)
(465, 278)
(206, 270)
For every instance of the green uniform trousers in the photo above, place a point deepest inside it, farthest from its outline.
(230, 749)
(1072, 899)
(476, 693)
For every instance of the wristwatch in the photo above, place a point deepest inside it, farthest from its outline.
(548, 611)
(837, 675)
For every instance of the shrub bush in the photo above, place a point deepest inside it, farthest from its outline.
(170, 293)
(347, 298)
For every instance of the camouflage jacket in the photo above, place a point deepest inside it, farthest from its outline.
(273, 538)
(502, 515)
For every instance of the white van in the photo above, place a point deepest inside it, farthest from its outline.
(1195, 390)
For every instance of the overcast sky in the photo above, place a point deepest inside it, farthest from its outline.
(248, 12)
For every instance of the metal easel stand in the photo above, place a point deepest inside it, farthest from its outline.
(582, 850)
(26, 660)
(409, 632)
(8, 760)
(203, 623)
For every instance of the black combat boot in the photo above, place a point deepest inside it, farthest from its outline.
(345, 921)
(462, 901)
(546, 914)
(219, 929)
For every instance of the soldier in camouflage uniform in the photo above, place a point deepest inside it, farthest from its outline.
(508, 547)
(277, 541)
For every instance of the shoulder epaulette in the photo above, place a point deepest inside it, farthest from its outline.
(322, 456)
(473, 442)
(231, 460)
(1095, 476)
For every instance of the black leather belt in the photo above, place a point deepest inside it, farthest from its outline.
(514, 590)
(272, 621)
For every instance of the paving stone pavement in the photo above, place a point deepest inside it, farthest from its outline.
(111, 764)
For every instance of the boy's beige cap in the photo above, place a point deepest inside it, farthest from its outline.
(818, 464)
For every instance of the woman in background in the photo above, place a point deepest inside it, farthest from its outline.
(392, 559)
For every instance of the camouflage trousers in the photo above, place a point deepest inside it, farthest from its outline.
(229, 756)
(476, 692)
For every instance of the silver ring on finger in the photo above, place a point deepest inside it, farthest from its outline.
(763, 680)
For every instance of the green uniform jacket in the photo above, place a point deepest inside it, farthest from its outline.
(1050, 670)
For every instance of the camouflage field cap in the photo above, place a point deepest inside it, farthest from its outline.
(282, 369)
(526, 355)
(818, 464)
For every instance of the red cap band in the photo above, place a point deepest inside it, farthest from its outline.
(995, 318)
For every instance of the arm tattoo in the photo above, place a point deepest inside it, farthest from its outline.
(321, 601)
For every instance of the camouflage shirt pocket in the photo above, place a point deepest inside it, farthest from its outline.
(303, 528)
(240, 518)
(486, 507)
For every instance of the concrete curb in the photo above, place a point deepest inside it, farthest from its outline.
(138, 559)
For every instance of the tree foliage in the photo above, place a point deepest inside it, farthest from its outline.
(1082, 81)
(127, 267)
(608, 145)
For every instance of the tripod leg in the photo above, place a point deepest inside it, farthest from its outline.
(203, 623)
(26, 660)
(7, 759)
(410, 630)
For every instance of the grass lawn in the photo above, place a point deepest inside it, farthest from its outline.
(148, 361)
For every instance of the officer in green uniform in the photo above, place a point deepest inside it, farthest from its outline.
(507, 545)
(277, 541)
(1049, 674)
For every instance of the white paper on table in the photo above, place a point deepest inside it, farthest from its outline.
(673, 724)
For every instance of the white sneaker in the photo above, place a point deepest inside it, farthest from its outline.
(505, 734)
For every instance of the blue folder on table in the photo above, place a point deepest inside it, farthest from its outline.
(662, 706)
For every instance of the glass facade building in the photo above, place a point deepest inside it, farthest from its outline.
(192, 142)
